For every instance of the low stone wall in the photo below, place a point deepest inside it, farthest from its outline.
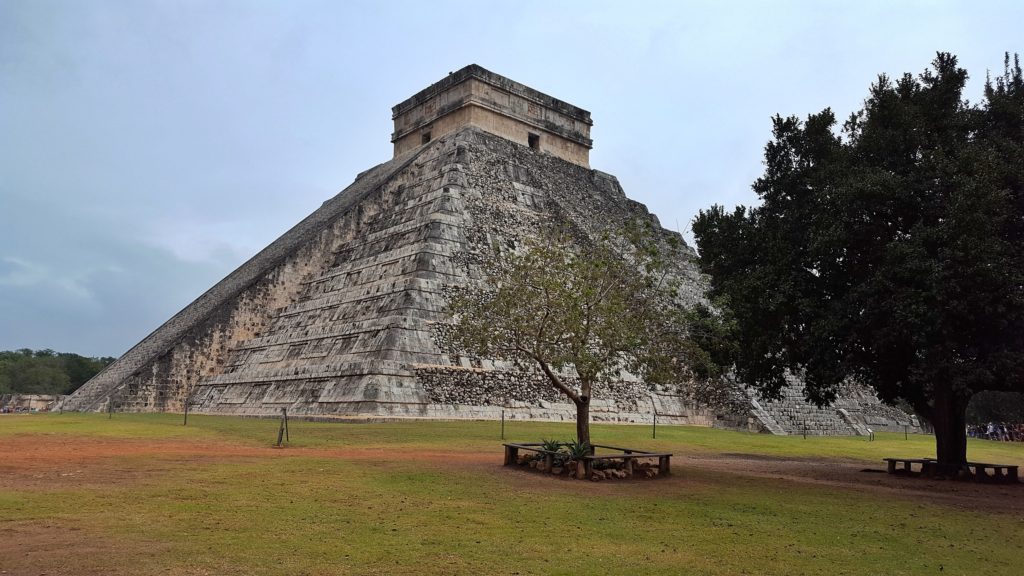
(33, 402)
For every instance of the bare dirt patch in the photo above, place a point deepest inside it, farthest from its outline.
(857, 475)
(48, 462)
(54, 549)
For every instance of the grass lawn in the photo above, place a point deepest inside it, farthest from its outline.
(141, 494)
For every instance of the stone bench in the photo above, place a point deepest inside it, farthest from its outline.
(925, 464)
(1002, 473)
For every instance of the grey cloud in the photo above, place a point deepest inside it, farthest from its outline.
(148, 148)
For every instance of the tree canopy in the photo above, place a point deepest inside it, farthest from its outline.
(586, 315)
(45, 371)
(889, 251)
(993, 406)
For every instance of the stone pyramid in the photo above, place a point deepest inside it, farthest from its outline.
(338, 317)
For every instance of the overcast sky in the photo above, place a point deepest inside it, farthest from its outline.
(147, 148)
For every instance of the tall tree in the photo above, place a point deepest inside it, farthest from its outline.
(889, 252)
(585, 316)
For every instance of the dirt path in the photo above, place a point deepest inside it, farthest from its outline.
(49, 462)
(56, 461)
(857, 475)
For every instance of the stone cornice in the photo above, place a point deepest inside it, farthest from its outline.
(496, 80)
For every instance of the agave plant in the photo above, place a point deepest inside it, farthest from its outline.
(551, 445)
(577, 450)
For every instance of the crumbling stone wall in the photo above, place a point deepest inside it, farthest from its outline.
(856, 411)
(480, 387)
(31, 402)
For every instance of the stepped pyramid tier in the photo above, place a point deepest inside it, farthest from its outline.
(856, 411)
(343, 315)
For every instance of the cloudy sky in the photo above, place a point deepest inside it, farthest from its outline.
(147, 148)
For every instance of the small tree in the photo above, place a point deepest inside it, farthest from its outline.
(602, 311)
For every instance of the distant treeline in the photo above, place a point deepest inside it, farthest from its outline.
(45, 371)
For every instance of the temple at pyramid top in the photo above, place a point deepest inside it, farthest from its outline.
(477, 97)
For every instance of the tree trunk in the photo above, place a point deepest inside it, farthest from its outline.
(949, 418)
(583, 420)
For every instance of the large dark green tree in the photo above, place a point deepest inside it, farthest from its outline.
(889, 251)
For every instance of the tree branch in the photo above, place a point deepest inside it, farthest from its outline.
(555, 380)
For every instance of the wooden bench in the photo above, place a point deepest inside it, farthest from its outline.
(512, 453)
(627, 455)
(1000, 472)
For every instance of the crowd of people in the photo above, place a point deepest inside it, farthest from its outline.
(1001, 431)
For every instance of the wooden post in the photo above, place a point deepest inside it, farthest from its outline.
(664, 467)
(110, 407)
(280, 433)
(502, 423)
(186, 410)
(654, 411)
(284, 415)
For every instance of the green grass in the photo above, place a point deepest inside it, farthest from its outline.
(311, 512)
(483, 435)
